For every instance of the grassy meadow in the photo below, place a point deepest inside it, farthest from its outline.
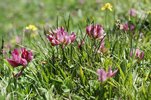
(75, 50)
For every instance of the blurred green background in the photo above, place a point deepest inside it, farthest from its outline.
(17, 14)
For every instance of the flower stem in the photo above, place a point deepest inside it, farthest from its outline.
(63, 55)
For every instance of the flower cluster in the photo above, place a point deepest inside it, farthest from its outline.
(132, 12)
(127, 27)
(95, 31)
(138, 54)
(20, 58)
(61, 37)
(107, 6)
(103, 75)
(31, 31)
(31, 27)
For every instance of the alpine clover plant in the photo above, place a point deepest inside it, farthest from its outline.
(79, 59)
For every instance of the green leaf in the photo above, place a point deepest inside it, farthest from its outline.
(82, 77)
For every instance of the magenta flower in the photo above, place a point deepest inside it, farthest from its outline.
(127, 27)
(20, 59)
(103, 75)
(26, 54)
(61, 37)
(132, 12)
(95, 31)
(132, 27)
(138, 54)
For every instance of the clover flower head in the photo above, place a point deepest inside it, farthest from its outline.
(127, 27)
(22, 57)
(138, 54)
(95, 31)
(132, 12)
(61, 37)
(103, 75)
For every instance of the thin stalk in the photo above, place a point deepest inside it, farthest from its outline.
(110, 91)
(93, 52)
(71, 49)
(63, 55)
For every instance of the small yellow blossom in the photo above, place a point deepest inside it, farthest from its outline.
(31, 27)
(107, 6)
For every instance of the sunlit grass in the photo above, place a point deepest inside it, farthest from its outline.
(67, 69)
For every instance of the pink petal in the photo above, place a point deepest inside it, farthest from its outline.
(50, 38)
(131, 53)
(15, 57)
(13, 63)
(16, 52)
(132, 12)
(95, 31)
(26, 54)
(132, 27)
(137, 52)
(113, 74)
(141, 55)
(23, 62)
(72, 37)
(102, 75)
(67, 40)
(54, 42)
(30, 56)
(109, 74)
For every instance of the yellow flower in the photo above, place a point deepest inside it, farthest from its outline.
(107, 6)
(31, 27)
